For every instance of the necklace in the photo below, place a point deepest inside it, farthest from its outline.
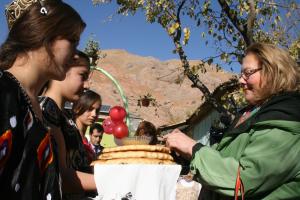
(24, 93)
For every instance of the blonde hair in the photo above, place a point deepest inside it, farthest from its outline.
(280, 72)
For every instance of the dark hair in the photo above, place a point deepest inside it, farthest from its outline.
(33, 30)
(84, 56)
(85, 102)
(148, 129)
(78, 57)
(96, 126)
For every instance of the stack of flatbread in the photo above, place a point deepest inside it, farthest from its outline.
(136, 154)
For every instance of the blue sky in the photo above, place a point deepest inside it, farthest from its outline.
(131, 33)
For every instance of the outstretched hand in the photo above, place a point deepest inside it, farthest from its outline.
(180, 142)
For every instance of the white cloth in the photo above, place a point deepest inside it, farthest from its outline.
(137, 182)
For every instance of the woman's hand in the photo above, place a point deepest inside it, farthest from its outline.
(180, 142)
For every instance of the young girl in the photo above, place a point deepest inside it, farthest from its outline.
(73, 158)
(86, 111)
(41, 41)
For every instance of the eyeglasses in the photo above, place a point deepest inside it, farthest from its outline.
(245, 74)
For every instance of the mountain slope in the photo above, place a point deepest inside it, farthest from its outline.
(139, 75)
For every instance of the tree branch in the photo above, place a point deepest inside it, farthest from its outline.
(178, 31)
(235, 21)
(250, 21)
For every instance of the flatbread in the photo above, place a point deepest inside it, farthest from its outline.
(158, 148)
(134, 161)
(135, 154)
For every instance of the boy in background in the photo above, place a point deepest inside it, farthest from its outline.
(96, 133)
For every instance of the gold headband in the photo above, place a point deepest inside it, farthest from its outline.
(16, 8)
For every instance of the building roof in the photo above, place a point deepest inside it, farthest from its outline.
(105, 109)
(205, 108)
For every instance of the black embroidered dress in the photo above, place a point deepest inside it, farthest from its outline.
(76, 153)
(28, 161)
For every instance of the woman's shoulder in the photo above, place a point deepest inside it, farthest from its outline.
(51, 112)
(11, 98)
(284, 98)
(7, 84)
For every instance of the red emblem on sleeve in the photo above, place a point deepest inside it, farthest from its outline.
(45, 153)
(5, 147)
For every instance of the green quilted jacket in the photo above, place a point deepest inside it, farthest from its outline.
(266, 147)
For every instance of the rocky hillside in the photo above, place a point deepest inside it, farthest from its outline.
(174, 102)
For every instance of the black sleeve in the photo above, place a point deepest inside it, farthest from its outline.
(196, 148)
(51, 112)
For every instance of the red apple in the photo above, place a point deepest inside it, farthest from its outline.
(117, 114)
(120, 130)
(108, 126)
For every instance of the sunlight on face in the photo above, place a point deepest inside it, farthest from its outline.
(250, 78)
(74, 83)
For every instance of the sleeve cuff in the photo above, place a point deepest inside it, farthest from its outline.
(196, 148)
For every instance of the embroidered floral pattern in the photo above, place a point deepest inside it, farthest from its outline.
(5, 147)
(45, 153)
(16, 9)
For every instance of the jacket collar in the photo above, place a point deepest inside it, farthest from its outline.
(284, 106)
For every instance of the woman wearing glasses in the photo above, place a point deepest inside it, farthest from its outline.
(259, 154)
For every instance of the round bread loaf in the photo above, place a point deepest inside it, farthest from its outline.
(134, 161)
(135, 154)
(158, 148)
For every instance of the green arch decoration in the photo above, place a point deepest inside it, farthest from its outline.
(120, 90)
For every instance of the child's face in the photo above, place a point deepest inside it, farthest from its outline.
(96, 137)
(75, 82)
(90, 115)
